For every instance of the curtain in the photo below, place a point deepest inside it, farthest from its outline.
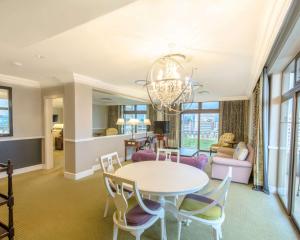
(174, 124)
(234, 119)
(260, 126)
(152, 114)
(112, 116)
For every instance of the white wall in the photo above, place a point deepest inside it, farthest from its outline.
(60, 113)
(99, 116)
(26, 111)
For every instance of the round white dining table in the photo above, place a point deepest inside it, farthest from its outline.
(164, 178)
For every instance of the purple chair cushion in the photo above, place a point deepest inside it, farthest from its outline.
(137, 216)
(146, 155)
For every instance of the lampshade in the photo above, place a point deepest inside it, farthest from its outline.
(133, 121)
(147, 122)
(120, 121)
(58, 126)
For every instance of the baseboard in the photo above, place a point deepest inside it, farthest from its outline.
(86, 173)
(24, 170)
(80, 175)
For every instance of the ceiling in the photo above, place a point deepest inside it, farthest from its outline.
(115, 43)
(102, 98)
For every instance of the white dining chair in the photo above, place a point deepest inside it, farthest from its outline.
(108, 166)
(203, 208)
(134, 215)
(167, 153)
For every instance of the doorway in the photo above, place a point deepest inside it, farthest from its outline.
(54, 133)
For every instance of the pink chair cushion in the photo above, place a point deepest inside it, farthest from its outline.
(137, 216)
(231, 162)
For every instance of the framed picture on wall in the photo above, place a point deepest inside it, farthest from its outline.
(6, 124)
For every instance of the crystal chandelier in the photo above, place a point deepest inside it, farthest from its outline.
(168, 84)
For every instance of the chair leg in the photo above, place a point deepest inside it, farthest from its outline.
(138, 235)
(162, 228)
(115, 235)
(179, 229)
(220, 232)
(216, 233)
(106, 207)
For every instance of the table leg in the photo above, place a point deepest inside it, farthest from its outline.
(162, 201)
(125, 153)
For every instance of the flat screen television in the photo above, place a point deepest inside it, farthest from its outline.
(54, 118)
(161, 127)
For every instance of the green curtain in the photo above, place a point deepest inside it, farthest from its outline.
(112, 116)
(234, 119)
(174, 125)
(260, 112)
(152, 114)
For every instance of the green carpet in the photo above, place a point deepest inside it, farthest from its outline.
(48, 206)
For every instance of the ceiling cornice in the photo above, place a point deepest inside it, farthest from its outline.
(19, 81)
(109, 88)
(267, 38)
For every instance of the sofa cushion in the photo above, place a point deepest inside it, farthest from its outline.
(231, 162)
(241, 152)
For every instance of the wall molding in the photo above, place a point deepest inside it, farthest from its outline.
(86, 173)
(6, 139)
(24, 170)
(103, 137)
(110, 88)
(78, 140)
(19, 81)
(79, 175)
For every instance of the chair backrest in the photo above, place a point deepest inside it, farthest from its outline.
(107, 162)
(226, 137)
(111, 131)
(221, 193)
(116, 188)
(167, 152)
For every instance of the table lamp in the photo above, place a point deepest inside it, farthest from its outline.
(120, 122)
(147, 123)
(133, 122)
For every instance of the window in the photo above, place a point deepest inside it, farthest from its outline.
(135, 111)
(5, 112)
(288, 80)
(199, 125)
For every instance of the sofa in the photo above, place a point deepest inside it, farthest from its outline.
(147, 155)
(240, 159)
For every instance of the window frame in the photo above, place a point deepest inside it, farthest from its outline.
(198, 111)
(10, 113)
(134, 112)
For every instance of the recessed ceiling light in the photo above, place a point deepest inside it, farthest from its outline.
(204, 92)
(105, 99)
(18, 64)
(140, 82)
(39, 56)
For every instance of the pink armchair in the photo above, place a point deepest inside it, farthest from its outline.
(241, 169)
